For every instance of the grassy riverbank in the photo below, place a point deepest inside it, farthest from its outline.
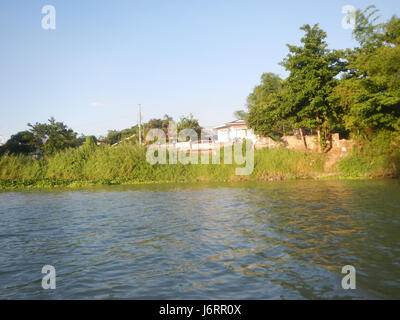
(375, 158)
(126, 164)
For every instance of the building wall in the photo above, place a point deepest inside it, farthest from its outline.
(235, 132)
(223, 135)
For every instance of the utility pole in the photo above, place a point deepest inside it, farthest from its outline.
(140, 124)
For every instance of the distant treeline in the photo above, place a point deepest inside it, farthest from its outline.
(44, 139)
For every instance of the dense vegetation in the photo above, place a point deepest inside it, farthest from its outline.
(126, 163)
(354, 92)
(42, 138)
(376, 157)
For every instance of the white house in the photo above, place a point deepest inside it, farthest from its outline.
(235, 131)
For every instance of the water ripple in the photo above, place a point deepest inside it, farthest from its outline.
(283, 240)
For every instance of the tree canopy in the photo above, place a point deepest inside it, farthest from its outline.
(189, 122)
(264, 104)
(46, 138)
(21, 142)
(357, 90)
(53, 136)
(370, 91)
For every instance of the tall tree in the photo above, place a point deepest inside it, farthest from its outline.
(370, 91)
(313, 69)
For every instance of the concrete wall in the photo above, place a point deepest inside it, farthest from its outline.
(296, 143)
(267, 142)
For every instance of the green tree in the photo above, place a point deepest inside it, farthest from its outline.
(189, 123)
(113, 136)
(53, 136)
(265, 114)
(370, 91)
(130, 134)
(23, 142)
(240, 115)
(313, 70)
(91, 141)
(81, 139)
(153, 124)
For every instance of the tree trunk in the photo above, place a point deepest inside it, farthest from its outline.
(303, 138)
(319, 134)
(328, 140)
(319, 138)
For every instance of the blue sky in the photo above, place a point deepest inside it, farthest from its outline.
(173, 57)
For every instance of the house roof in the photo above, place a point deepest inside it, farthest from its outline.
(232, 124)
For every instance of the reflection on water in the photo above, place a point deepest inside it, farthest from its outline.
(276, 240)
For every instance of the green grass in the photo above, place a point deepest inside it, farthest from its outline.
(271, 164)
(126, 164)
(378, 157)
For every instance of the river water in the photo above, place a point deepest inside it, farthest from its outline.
(274, 240)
